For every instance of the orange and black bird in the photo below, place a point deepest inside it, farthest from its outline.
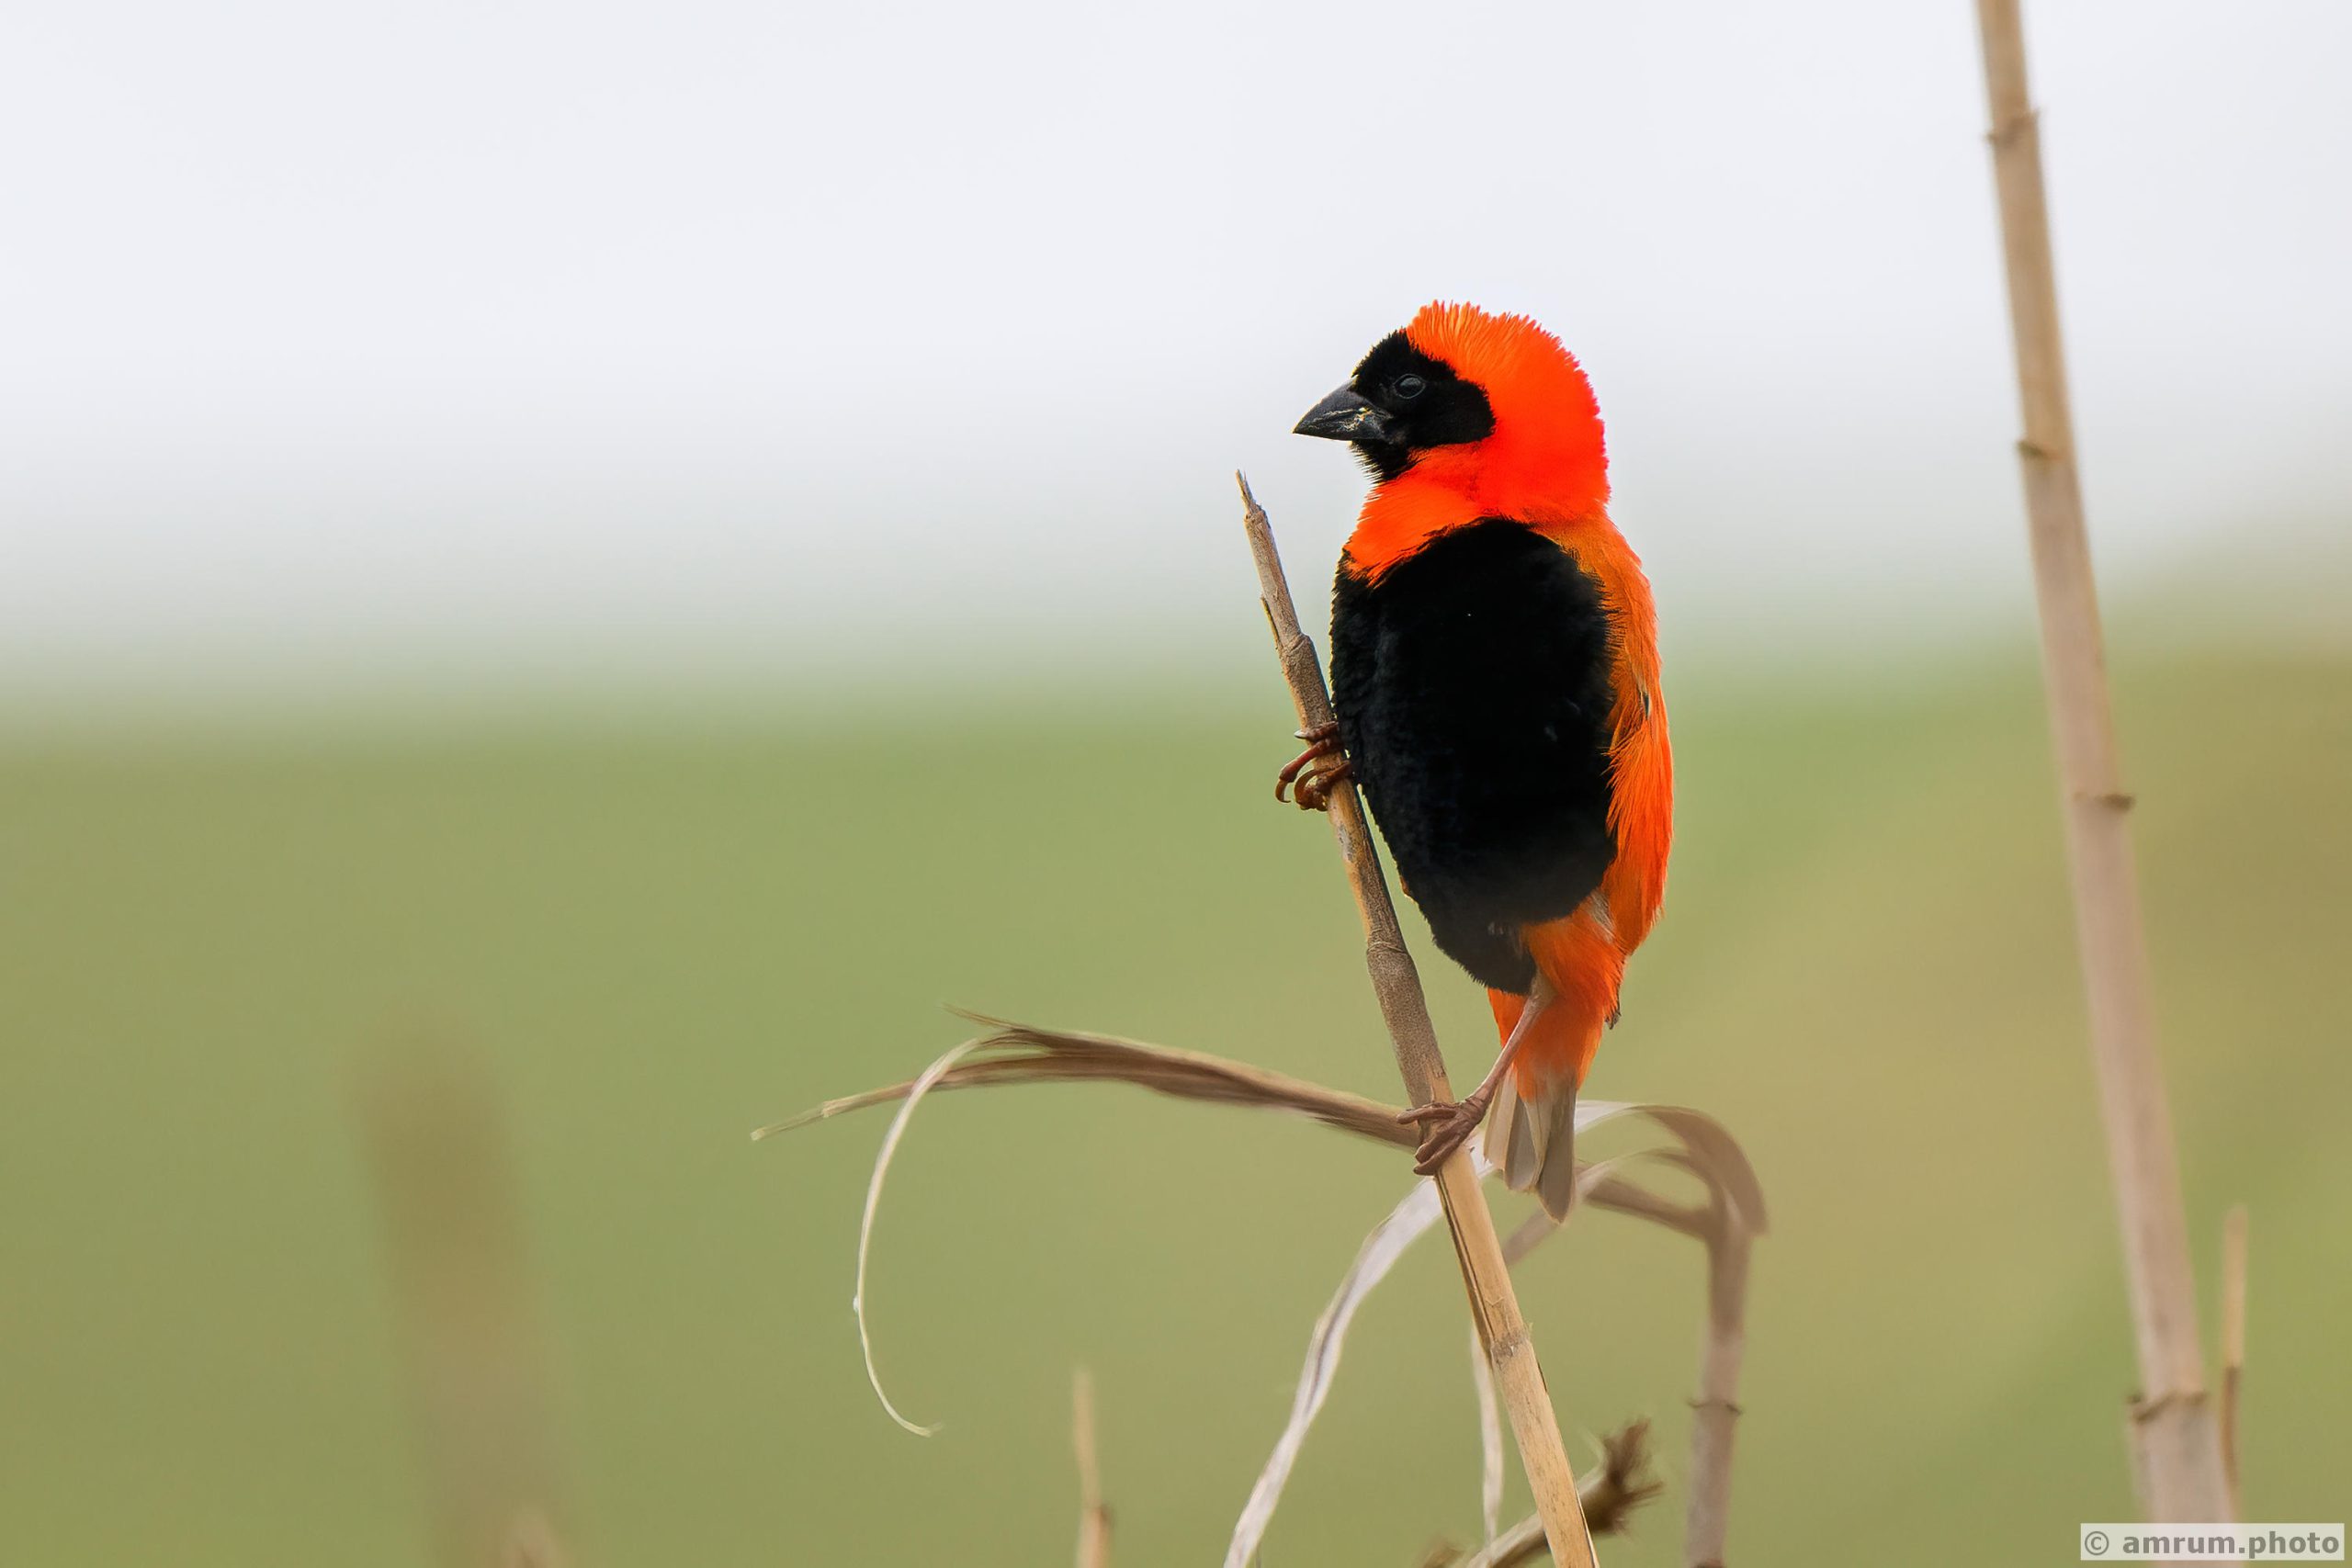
(1495, 670)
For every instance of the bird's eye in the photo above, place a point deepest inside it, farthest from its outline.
(1410, 386)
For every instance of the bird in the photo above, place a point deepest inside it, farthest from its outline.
(1495, 672)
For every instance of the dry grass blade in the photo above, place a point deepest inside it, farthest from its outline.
(914, 1093)
(1701, 1149)
(1708, 1152)
(1014, 1053)
(1018, 1053)
(1404, 1225)
(1726, 1173)
(1490, 1445)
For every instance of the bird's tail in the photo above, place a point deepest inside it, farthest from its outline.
(1530, 1135)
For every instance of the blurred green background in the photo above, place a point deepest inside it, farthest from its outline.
(658, 933)
(647, 551)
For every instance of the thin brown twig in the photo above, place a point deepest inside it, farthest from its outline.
(461, 1298)
(1093, 1516)
(2176, 1447)
(1494, 1304)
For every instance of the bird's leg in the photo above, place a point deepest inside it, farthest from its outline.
(1313, 784)
(1447, 1126)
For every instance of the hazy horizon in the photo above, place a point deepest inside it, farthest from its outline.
(537, 346)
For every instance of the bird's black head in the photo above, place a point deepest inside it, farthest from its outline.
(1399, 403)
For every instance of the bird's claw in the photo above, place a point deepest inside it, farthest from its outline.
(1313, 791)
(1309, 778)
(1447, 1125)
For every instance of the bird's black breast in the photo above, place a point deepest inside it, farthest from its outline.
(1473, 687)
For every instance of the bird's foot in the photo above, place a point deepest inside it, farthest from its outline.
(1445, 1126)
(1313, 791)
(1311, 776)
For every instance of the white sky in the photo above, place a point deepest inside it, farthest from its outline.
(486, 341)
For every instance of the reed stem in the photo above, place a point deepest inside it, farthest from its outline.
(1494, 1306)
(2177, 1452)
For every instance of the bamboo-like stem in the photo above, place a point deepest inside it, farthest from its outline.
(2233, 1347)
(1494, 1306)
(2173, 1426)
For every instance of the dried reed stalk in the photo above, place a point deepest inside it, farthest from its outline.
(2174, 1434)
(1732, 1216)
(1093, 1516)
(461, 1300)
(1716, 1413)
(1494, 1306)
(1701, 1148)
(1023, 1053)
(2233, 1347)
(1727, 1227)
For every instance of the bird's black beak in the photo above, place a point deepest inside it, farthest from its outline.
(1345, 416)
